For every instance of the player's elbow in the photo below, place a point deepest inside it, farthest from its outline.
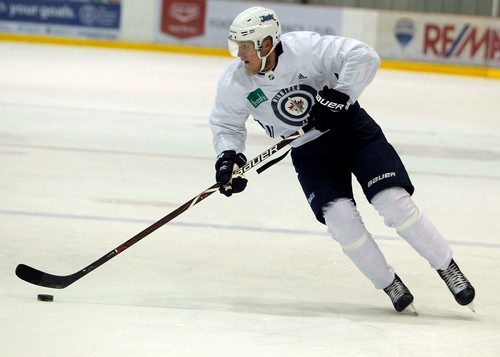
(373, 56)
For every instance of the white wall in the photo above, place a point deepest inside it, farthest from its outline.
(461, 39)
(139, 19)
(412, 37)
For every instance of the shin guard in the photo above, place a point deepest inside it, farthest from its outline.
(345, 225)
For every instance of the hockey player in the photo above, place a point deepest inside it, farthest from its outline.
(283, 81)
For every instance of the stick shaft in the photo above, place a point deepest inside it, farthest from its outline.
(37, 277)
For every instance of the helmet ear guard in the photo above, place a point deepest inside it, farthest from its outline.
(254, 24)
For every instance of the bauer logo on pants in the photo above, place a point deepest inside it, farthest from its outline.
(381, 177)
(183, 18)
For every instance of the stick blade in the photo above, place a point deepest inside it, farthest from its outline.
(37, 277)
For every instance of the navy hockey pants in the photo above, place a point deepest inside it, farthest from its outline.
(326, 164)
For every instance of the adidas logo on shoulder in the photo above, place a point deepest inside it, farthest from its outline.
(301, 76)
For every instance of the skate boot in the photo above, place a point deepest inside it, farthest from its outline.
(400, 296)
(458, 284)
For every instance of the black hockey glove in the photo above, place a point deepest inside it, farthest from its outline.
(329, 111)
(228, 162)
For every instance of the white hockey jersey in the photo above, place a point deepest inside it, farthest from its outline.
(280, 100)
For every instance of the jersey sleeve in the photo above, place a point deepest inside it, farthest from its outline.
(353, 61)
(228, 118)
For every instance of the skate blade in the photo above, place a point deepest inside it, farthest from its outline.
(472, 307)
(410, 309)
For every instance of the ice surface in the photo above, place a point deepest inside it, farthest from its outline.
(97, 144)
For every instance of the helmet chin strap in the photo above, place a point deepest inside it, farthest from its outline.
(264, 58)
(264, 61)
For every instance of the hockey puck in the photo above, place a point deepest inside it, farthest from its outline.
(45, 297)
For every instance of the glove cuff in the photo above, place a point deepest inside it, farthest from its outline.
(230, 155)
(332, 99)
(240, 159)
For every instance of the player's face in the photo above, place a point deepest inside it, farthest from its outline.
(248, 54)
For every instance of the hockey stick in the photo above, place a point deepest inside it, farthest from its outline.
(40, 278)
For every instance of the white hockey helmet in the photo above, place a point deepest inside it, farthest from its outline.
(254, 24)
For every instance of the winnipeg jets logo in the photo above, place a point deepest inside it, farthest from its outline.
(291, 105)
(297, 105)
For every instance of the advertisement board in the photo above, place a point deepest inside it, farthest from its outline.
(439, 39)
(183, 19)
(83, 18)
(206, 23)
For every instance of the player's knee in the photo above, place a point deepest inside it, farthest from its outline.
(344, 222)
(397, 207)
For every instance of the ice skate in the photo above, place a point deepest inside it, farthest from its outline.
(400, 295)
(458, 284)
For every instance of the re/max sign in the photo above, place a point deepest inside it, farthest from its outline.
(461, 41)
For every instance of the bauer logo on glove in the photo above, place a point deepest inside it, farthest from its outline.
(334, 107)
(331, 110)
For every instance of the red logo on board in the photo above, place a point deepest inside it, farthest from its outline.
(183, 18)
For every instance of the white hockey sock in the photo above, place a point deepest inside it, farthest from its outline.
(424, 237)
(345, 225)
(399, 211)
